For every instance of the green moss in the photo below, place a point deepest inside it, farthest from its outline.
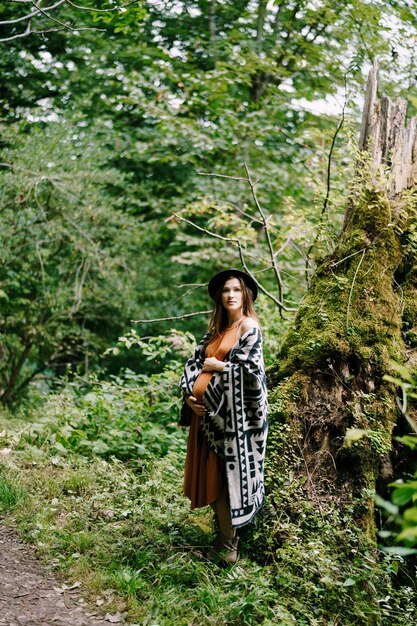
(351, 310)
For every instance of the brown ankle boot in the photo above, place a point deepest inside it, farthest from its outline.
(224, 551)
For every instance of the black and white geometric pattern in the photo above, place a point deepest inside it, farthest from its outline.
(235, 423)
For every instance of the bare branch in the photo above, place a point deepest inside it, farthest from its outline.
(348, 257)
(118, 8)
(30, 15)
(237, 208)
(25, 33)
(235, 241)
(223, 176)
(267, 234)
(282, 248)
(169, 319)
(281, 305)
(211, 233)
(205, 230)
(45, 31)
(44, 12)
(186, 293)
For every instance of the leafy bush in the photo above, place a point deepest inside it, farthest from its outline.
(401, 509)
(133, 418)
(69, 264)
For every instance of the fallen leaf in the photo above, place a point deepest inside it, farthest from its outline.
(67, 587)
(74, 586)
(116, 618)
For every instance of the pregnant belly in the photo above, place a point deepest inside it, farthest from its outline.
(200, 384)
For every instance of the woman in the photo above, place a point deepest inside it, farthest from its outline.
(225, 392)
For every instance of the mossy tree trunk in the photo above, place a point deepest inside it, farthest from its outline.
(359, 314)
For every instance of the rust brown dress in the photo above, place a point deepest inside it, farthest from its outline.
(204, 469)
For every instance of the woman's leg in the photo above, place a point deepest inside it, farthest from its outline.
(225, 549)
(222, 510)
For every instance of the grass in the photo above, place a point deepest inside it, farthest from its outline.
(11, 493)
(126, 534)
(131, 541)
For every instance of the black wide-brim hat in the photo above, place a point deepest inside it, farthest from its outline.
(218, 279)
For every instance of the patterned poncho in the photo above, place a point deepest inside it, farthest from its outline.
(235, 423)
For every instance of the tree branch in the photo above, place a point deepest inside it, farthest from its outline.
(268, 236)
(109, 10)
(53, 19)
(30, 15)
(25, 33)
(236, 242)
(44, 11)
(223, 176)
(170, 319)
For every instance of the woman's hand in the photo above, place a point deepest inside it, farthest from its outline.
(199, 409)
(211, 364)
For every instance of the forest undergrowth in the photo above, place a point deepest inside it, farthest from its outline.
(91, 474)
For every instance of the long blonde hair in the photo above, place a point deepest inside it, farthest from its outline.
(219, 320)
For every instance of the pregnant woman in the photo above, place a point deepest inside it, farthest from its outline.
(225, 394)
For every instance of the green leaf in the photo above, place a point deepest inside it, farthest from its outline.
(385, 534)
(400, 550)
(410, 515)
(402, 370)
(396, 381)
(404, 493)
(408, 440)
(408, 534)
(391, 508)
(354, 434)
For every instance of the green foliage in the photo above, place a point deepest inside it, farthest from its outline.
(11, 492)
(103, 526)
(124, 122)
(176, 345)
(401, 509)
(67, 262)
(132, 418)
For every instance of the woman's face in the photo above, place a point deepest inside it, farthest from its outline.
(232, 295)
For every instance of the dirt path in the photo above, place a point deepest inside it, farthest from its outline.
(30, 597)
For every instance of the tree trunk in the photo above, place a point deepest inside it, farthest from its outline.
(359, 314)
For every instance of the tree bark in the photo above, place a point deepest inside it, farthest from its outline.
(359, 314)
